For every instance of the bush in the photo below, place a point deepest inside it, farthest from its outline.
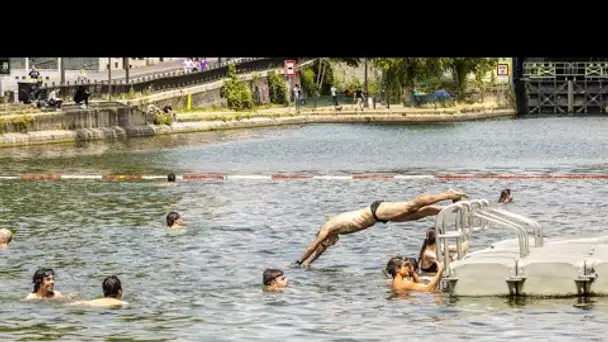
(163, 119)
(22, 123)
(237, 93)
(307, 78)
(277, 89)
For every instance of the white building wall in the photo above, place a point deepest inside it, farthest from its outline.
(135, 62)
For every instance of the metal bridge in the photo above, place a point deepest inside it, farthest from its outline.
(558, 86)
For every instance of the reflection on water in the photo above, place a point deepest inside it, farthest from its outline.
(204, 282)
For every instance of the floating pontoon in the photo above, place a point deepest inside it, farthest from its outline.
(528, 265)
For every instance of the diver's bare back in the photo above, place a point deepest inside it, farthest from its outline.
(351, 221)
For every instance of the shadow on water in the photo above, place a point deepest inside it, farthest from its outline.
(583, 303)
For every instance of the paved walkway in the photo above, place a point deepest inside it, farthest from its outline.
(143, 71)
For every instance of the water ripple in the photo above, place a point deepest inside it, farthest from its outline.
(203, 282)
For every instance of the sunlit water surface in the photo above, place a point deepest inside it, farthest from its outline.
(203, 282)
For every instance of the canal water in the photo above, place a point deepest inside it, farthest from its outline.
(203, 283)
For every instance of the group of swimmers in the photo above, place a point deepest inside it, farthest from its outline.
(44, 288)
(44, 283)
(403, 270)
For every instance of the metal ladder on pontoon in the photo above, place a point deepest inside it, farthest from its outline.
(476, 215)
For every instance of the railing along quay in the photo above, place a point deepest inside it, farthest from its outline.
(167, 81)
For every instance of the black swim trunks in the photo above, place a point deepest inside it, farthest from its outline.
(373, 208)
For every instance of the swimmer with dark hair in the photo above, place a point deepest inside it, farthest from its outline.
(44, 285)
(112, 294)
(505, 196)
(414, 275)
(401, 270)
(174, 220)
(171, 181)
(6, 236)
(379, 211)
(274, 280)
(428, 252)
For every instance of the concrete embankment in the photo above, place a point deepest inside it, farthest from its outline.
(132, 124)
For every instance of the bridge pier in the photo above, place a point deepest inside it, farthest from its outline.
(519, 86)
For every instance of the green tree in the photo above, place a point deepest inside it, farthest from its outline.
(402, 74)
(277, 88)
(307, 80)
(237, 93)
(462, 67)
(352, 62)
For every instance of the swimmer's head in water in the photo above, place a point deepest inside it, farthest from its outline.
(399, 265)
(430, 236)
(428, 240)
(112, 287)
(6, 236)
(171, 177)
(274, 277)
(505, 196)
(174, 218)
(44, 278)
(412, 261)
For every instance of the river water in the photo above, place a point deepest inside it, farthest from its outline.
(203, 283)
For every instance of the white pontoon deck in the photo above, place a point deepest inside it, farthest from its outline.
(527, 265)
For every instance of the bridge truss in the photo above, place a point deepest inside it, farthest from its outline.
(566, 87)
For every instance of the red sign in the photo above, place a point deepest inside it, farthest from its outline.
(290, 68)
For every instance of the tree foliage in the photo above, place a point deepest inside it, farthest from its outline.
(237, 93)
(351, 62)
(307, 80)
(277, 88)
(402, 74)
(462, 67)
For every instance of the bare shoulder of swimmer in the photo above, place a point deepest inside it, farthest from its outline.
(56, 295)
(101, 303)
(107, 302)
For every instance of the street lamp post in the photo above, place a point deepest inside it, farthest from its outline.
(365, 86)
(125, 63)
(109, 78)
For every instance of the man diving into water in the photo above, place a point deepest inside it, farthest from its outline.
(379, 211)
